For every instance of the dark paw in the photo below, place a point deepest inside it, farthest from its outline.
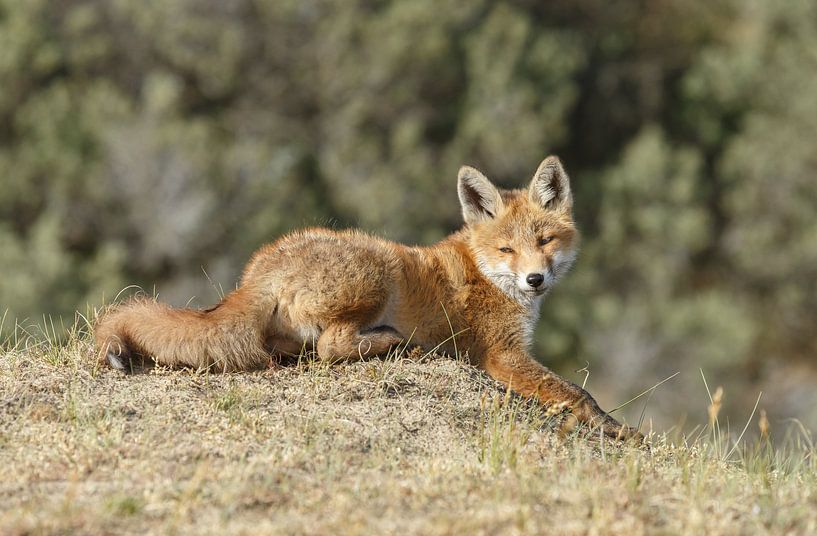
(381, 329)
(626, 433)
(604, 424)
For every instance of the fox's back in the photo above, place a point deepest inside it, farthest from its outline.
(319, 276)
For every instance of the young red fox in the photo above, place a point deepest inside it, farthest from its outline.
(348, 295)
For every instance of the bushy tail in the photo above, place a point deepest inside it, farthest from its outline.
(227, 337)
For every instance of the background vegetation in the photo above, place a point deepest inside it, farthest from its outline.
(149, 142)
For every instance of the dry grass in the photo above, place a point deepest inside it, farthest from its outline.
(386, 446)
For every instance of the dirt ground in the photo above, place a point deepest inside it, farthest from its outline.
(398, 445)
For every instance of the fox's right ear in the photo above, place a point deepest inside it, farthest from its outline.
(550, 186)
(479, 198)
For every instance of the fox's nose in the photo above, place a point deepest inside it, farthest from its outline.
(535, 280)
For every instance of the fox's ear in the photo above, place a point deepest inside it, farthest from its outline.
(550, 186)
(479, 198)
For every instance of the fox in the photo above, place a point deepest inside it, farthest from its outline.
(347, 295)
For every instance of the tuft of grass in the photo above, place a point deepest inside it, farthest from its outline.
(228, 400)
(506, 422)
(124, 505)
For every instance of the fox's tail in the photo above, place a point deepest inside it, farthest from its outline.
(228, 337)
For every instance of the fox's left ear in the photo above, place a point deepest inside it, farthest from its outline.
(550, 186)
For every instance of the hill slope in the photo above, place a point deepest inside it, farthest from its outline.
(417, 446)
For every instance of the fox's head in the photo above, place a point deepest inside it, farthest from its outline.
(523, 240)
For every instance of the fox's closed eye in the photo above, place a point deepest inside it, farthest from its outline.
(506, 249)
(545, 240)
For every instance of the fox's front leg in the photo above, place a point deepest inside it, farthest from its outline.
(530, 379)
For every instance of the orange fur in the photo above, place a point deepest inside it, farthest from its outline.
(348, 295)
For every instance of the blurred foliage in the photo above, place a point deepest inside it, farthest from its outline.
(141, 142)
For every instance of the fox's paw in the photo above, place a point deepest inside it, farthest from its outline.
(620, 432)
(587, 413)
(626, 433)
(606, 425)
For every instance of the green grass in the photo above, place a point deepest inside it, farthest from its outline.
(416, 444)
